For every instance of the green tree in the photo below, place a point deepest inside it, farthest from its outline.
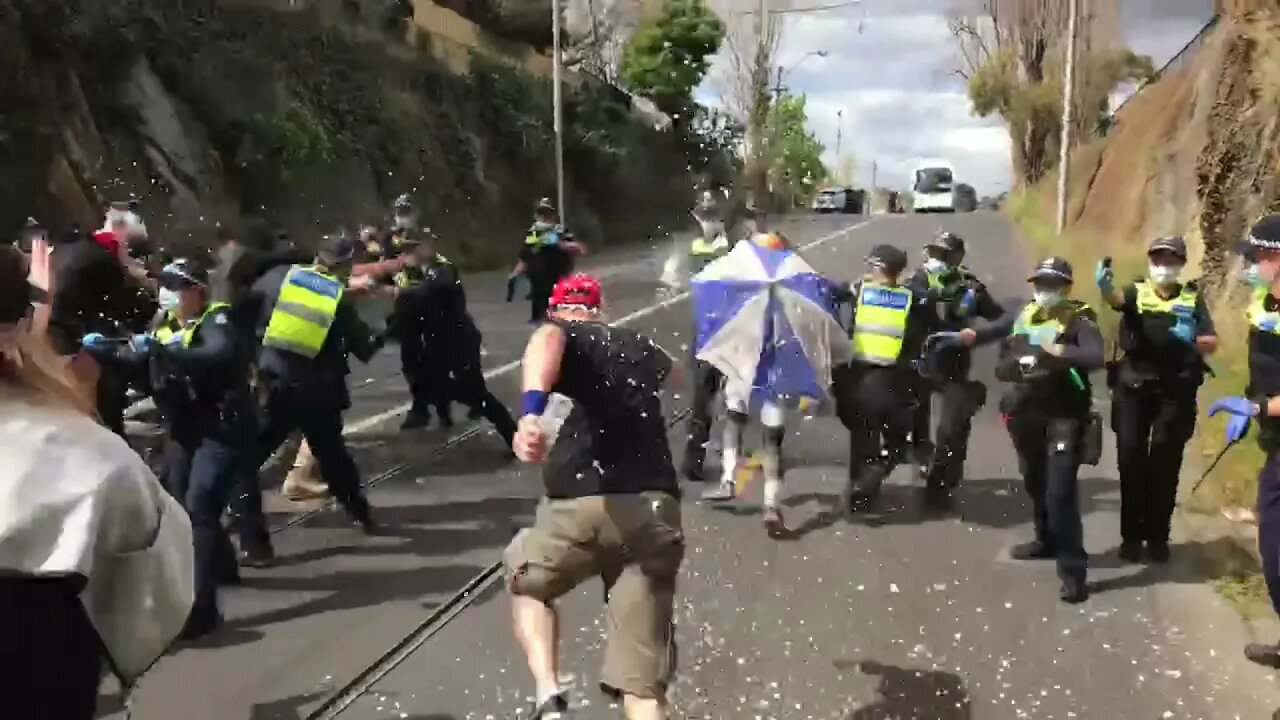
(797, 156)
(670, 52)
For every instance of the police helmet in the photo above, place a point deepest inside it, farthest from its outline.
(544, 205)
(1172, 244)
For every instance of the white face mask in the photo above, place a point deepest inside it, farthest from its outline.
(1164, 274)
(542, 225)
(935, 266)
(712, 230)
(1048, 298)
(168, 299)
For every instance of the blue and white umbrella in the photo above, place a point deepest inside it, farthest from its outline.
(768, 321)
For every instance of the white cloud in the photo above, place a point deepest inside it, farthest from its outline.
(889, 67)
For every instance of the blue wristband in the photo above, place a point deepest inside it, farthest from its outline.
(534, 402)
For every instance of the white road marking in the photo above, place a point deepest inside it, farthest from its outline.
(372, 421)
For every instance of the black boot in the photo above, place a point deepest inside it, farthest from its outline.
(1263, 654)
(1034, 550)
(1074, 591)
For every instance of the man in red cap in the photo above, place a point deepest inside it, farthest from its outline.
(610, 477)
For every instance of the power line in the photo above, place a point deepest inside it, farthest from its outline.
(816, 8)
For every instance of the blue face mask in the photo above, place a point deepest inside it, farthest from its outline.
(1253, 277)
(936, 266)
(168, 299)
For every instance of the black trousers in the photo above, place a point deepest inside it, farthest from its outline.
(1049, 460)
(959, 399)
(426, 371)
(876, 405)
(706, 384)
(53, 659)
(1152, 424)
(467, 386)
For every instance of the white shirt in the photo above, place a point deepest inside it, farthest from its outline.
(76, 499)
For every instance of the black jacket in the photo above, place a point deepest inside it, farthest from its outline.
(93, 293)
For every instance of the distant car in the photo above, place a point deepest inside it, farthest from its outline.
(838, 199)
(966, 198)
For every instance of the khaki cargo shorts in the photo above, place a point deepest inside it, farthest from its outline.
(635, 544)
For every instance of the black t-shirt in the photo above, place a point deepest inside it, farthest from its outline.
(614, 440)
(1264, 372)
(1151, 353)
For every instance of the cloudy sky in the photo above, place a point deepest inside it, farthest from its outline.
(889, 68)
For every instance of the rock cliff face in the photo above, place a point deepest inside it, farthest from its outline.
(317, 116)
(1197, 152)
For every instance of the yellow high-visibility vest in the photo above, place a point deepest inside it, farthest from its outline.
(880, 324)
(413, 274)
(304, 311)
(1182, 305)
(168, 334)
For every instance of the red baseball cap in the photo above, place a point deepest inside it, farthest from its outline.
(577, 289)
(108, 240)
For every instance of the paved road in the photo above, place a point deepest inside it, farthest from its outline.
(900, 614)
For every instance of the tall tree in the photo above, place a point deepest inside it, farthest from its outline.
(1013, 53)
(669, 55)
(798, 159)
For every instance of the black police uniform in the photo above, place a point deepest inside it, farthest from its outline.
(424, 364)
(200, 382)
(1264, 384)
(1048, 411)
(955, 299)
(1153, 409)
(434, 311)
(545, 263)
(310, 394)
(875, 402)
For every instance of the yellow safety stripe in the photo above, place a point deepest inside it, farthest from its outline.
(1184, 303)
(880, 324)
(1259, 316)
(168, 334)
(1027, 321)
(304, 312)
(702, 246)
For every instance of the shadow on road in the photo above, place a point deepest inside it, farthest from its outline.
(486, 523)
(911, 694)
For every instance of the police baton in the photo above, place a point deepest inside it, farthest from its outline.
(1217, 459)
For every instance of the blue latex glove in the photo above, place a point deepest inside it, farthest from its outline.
(968, 301)
(1184, 331)
(1104, 276)
(143, 343)
(1269, 324)
(1242, 411)
(93, 340)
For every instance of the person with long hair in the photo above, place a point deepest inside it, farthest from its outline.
(96, 568)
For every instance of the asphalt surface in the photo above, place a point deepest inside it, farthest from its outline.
(896, 614)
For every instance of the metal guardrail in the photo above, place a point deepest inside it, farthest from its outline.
(1174, 62)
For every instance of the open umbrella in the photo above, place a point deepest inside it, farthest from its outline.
(768, 321)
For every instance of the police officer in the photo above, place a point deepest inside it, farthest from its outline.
(956, 298)
(1054, 346)
(201, 384)
(424, 362)
(306, 326)
(546, 257)
(711, 244)
(875, 393)
(1165, 332)
(436, 309)
(1261, 402)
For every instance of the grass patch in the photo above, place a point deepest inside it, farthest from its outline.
(1242, 585)
(1234, 480)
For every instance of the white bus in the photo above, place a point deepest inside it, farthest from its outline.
(932, 187)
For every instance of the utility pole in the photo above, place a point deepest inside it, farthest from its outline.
(558, 103)
(839, 132)
(1068, 114)
(875, 167)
